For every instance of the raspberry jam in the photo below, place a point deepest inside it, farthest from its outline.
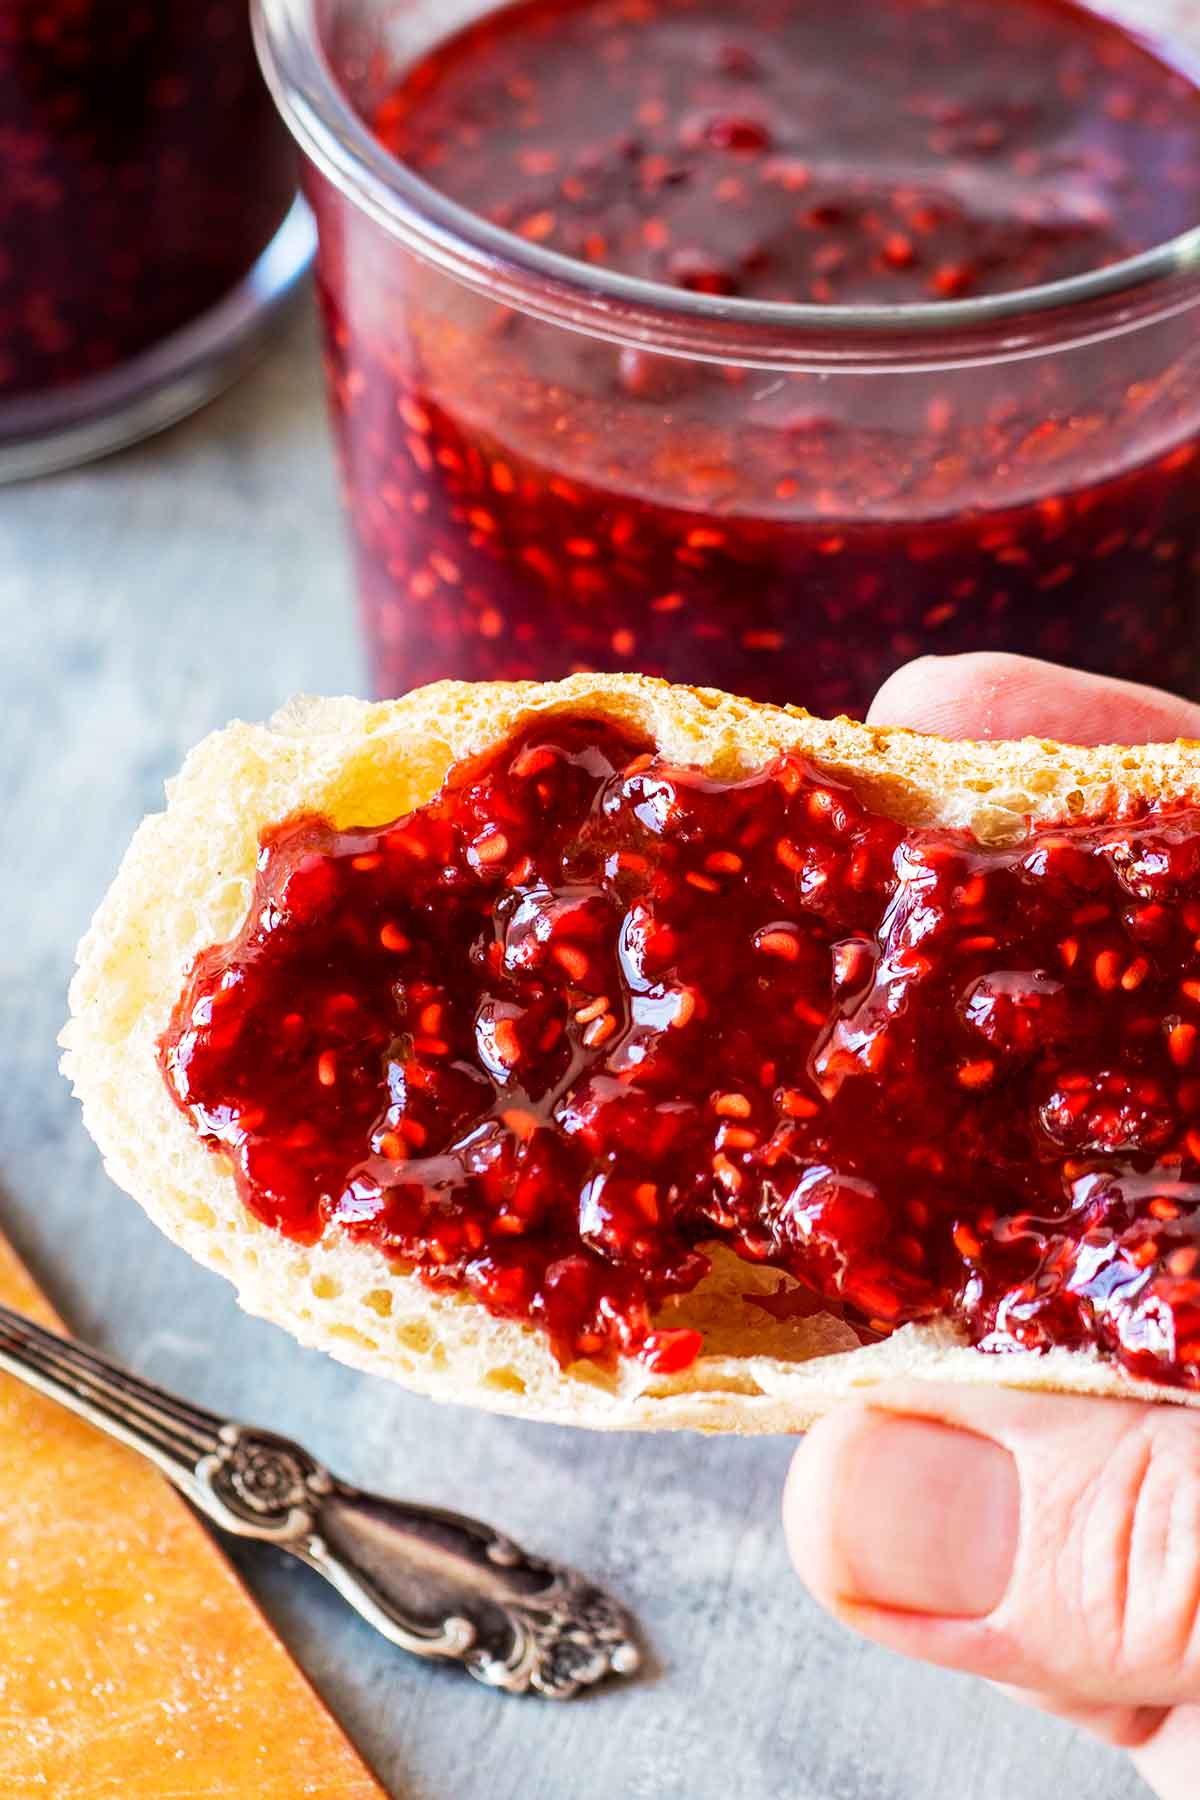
(126, 134)
(528, 499)
(788, 154)
(587, 1013)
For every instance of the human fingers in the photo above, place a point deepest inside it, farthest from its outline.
(986, 695)
(1035, 1539)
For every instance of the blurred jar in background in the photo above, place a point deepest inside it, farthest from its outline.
(740, 346)
(148, 218)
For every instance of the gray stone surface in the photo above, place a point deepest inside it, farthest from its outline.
(142, 602)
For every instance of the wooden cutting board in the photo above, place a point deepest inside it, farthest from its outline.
(133, 1664)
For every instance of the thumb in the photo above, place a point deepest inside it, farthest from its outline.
(1048, 1542)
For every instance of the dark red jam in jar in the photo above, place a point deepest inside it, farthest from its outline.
(528, 499)
(587, 1013)
(142, 171)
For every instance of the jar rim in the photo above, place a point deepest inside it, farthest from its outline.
(1148, 286)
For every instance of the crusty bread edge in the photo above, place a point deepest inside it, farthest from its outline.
(186, 881)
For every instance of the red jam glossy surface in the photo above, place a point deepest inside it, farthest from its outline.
(795, 152)
(126, 135)
(588, 1012)
(528, 500)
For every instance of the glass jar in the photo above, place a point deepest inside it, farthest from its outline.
(549, 466)
(149, 219)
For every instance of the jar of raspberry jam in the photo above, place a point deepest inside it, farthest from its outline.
(766, 348)
(149, 219)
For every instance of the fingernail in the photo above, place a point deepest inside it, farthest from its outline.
(925, 1518)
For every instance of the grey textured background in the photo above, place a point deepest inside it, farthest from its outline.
(144, 601)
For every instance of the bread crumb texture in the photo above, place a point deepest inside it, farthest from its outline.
(186, 882)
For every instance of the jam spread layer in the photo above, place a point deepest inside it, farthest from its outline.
(588, 1012)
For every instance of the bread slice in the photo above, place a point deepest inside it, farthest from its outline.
(186, 882)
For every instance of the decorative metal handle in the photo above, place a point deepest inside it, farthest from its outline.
(435, 1583)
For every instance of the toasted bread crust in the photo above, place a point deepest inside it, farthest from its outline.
(186, 882)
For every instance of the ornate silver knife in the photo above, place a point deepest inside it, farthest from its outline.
(435, 1583)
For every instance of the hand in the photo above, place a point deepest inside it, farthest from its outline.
(1048, 1543)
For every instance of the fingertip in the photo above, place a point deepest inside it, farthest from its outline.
(941, 693)
(909, 691)
(887, 1509)
(986, 695)
(808, 1503)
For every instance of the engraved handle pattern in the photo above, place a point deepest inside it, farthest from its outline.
(435, 1583)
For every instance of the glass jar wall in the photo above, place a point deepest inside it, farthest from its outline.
(550, 465)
